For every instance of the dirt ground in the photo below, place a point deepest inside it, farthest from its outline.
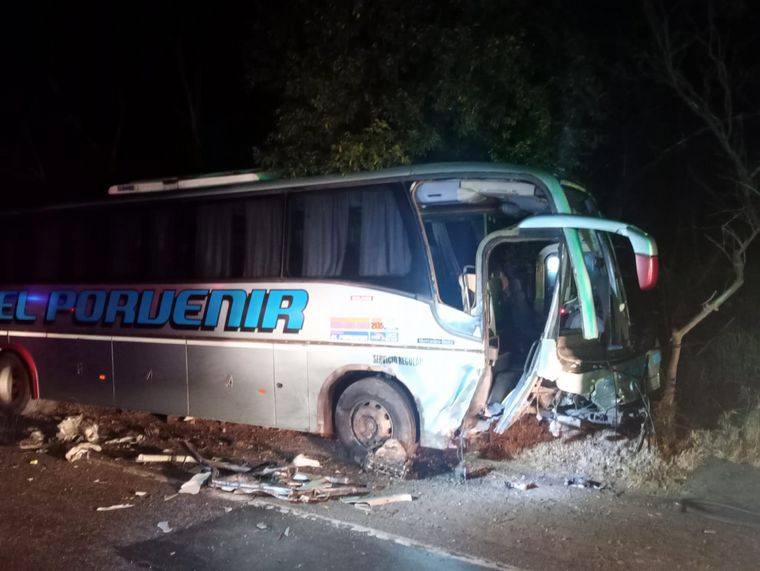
(705, 519)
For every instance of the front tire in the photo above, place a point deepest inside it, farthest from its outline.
(15, 388)
(371, 411)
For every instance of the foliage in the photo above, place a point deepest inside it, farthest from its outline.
(370, 84)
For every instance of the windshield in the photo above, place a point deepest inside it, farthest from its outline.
(458, 214)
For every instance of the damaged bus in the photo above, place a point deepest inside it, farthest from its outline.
(406, 303)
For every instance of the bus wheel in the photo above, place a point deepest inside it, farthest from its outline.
(371, 411)
(15, 391)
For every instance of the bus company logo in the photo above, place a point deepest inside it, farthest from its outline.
(254, 310)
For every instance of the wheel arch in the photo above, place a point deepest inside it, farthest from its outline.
(344, 377)
(26, 357)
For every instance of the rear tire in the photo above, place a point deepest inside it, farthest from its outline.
(15, 387)
(371, 411)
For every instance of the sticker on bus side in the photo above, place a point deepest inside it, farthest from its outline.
(254, 310)
(362, 329)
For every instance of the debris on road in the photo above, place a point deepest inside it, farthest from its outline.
(193, 485)
(164, 526)
(391, 458)
(303, 461)
(73, 427)
(34, 461)
(134, 439)
(522, 486)
(178, 458)
(68, 428)
(583, 482)
(366, 504)
(114, 507)
(34, 441)
(140, 494)
(262, 526)
(80, 450)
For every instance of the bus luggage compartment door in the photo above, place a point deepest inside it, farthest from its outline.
(72, 369)
(151, 375)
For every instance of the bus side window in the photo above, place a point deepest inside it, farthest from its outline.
(357, 234)
(238, 238)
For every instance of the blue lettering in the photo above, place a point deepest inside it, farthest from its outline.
(60, 301)
(90, 305)
(292, 313)
(164, 308)
(121, 301)
(236, 299)
(21, 314)
(7, 298)
(183, 306)
(253, 312)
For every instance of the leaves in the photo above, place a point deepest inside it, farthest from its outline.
(372, 85)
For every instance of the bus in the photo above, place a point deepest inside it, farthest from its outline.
(408, 303)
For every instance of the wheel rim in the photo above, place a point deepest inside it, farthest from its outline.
(371, 423)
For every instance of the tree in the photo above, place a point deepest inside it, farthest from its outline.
(368, 85)
(700, 58)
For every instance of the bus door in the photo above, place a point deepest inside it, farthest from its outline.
(519, 361)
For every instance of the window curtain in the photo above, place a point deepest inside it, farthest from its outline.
(263, 237)
(325, 234)
(384, 245)
(213, 241)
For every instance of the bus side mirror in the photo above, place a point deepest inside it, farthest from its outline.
(467, 283)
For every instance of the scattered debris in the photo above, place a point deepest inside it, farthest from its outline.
(34, 461)
(170, 497)
(522, 486)
(74, 427)
(366, 504)
(140, 494)
(80, 450)
(303, 461)
(68, 428)
(391, 458)
(34, 441)
(114, 507)
(179, 458)
(583, 482)
(227, 509)
(261, 525)
(284, 533)
(193, 485)
(164, 526)
(135, 439)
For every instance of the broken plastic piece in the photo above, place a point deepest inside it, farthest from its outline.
(114, 507)
(303, 461)
(193, 485)
(80, 450)
(367, 504)
(180, 458)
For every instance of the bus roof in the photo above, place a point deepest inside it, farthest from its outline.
(243, 182)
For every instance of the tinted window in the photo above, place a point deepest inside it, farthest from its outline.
(362, 234)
